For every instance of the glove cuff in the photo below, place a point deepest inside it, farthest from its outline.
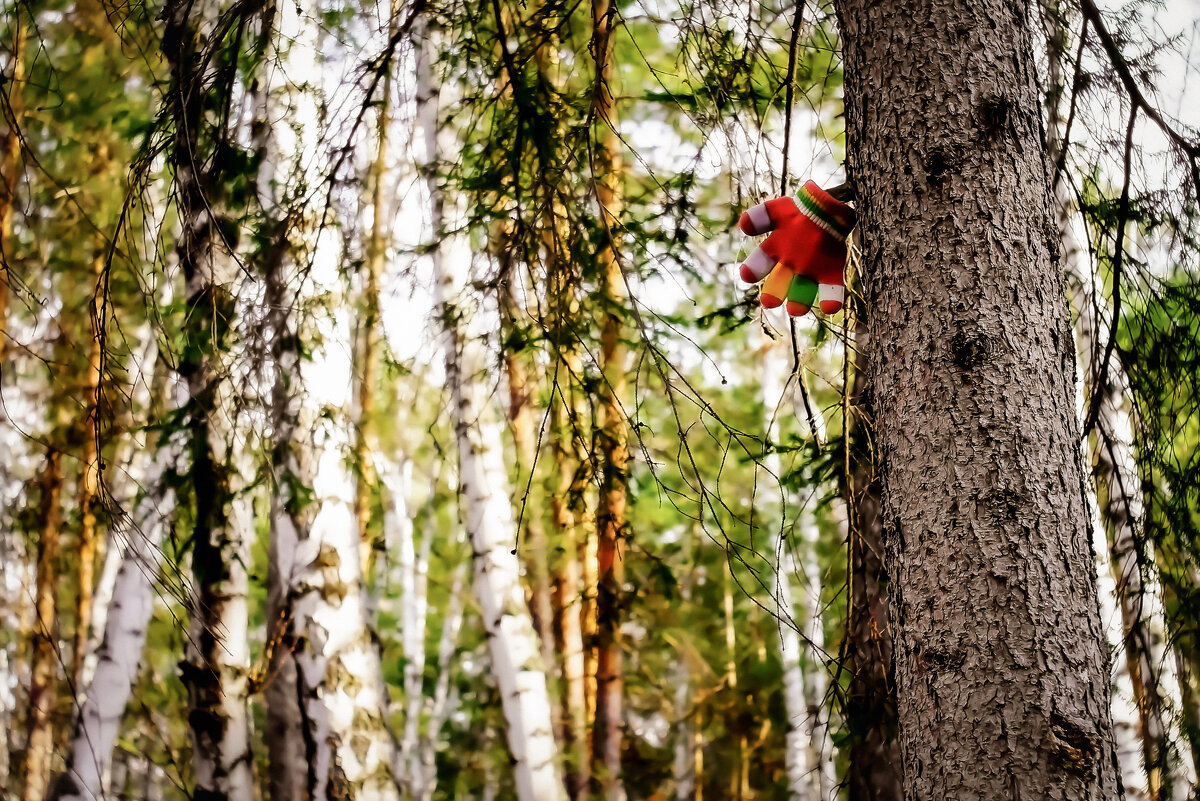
(830, 215)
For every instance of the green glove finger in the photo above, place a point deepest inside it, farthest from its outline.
(801, 295)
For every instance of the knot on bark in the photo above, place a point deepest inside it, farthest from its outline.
(969, 349)
(1071, 748)
(940, 163)
(993, 114)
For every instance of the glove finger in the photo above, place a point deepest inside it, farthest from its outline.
(757, 266)
(832, 298)
(756, 221)
(775, 288)
(801, 295)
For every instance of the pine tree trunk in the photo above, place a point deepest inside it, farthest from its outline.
(521, 423)
(484, 497)
(1002, 679)
(43, 682)
(611, 437)
(874, 771)
(10, 151)
(89, 480)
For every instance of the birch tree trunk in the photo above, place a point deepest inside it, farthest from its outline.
(318, 583)
(1147, 671)
(425, 780)
(486, 509)
(216, 663)
(414, 581)
(341, 703)
(796, 753)
(816, 683)
(119, 656)
(1002, 678)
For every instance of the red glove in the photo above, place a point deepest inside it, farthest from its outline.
(807, 250)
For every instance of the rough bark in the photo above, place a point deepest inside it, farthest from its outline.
(43, 682)
(1002, 678)
(484, 497)
(875, 770)
(612, 527)
(215, 666)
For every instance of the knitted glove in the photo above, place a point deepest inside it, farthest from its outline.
(804, 258)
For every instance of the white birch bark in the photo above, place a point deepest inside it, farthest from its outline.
(119, 656)
(484, 497)
(316, 537)
(796, 751)
(1130, 596)
(414, 574)
(124, 599)
(443, 702)
(816, 682)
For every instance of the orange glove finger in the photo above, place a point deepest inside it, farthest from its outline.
(775, 288)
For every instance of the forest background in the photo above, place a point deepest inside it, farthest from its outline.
(382, 415)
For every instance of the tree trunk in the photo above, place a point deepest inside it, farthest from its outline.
(796, 752)
(1150, 670)
(43, 682)
(1002, 680)
(521, 423)
(484, 497)
(414, 581)
(12, 551)
(816, 683)
(119, 656)
(611, 437)
(216, 663)
(874, 771)
(368, 342)
(89, 479)
(425, 781)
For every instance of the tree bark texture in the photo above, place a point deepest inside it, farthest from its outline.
(43, 680)
(89, 479)
(1002, 675)
(611, 437)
